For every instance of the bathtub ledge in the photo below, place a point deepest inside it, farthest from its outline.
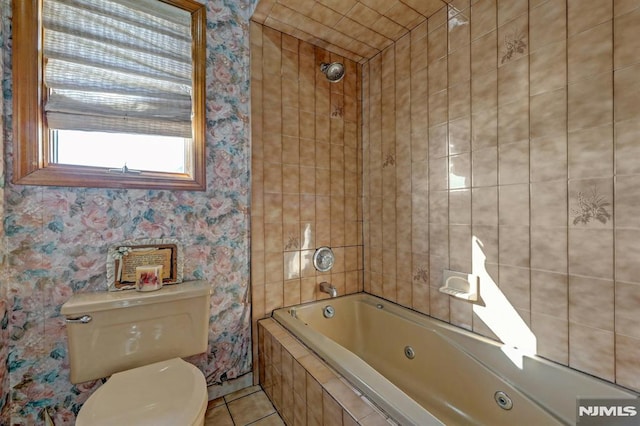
(356, 409)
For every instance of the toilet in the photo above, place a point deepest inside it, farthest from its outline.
(138, 340)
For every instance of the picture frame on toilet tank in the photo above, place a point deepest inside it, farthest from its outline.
(123, 258)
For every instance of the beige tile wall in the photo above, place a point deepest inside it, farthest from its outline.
(356, 29)
(306, 173)
(516, 122)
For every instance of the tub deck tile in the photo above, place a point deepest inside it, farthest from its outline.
(317, 368)
(295, 348)
(375, 419)
(350, 386)
(274, 328)
(350, 400)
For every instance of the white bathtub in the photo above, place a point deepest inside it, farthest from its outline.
(422, 371)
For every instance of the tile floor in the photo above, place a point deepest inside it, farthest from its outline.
(249, 406)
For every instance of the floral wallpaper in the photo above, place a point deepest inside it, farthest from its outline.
(57, 239)
(4, 309)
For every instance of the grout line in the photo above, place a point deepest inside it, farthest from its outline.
(530, 183)
(497, 127)
(568, 238)
(229, 412)
(261, 418)
(471, 180)
(243, 396)
(448, 154)
(614, 184)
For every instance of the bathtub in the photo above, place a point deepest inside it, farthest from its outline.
(422, 371)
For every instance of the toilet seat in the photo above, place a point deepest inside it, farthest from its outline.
(171, 392)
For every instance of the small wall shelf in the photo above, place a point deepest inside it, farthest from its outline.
(461, 285)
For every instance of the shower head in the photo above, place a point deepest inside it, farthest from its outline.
(334, 71)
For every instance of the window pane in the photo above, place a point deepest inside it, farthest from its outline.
(114, 150)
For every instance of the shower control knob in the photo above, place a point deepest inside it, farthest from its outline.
(323, 259)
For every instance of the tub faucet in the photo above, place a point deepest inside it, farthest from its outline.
(325, 287)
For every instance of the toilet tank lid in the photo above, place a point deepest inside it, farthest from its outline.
(83, 303)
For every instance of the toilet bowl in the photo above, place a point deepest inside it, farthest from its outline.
(169, 393)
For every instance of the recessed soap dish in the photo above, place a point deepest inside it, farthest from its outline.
(460, 285)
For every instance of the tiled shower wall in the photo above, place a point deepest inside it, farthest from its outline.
(517, 123)
(306, 172)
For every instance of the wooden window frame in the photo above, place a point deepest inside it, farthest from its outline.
(31, 164)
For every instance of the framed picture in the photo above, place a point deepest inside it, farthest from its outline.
(124, 258)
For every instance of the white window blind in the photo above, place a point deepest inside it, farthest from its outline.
(121, 66)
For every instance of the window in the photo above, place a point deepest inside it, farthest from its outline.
(109, 93)
(114, 151)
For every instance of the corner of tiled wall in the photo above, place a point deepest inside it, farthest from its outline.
(306, 172)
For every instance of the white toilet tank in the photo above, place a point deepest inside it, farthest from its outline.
(129, 329)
